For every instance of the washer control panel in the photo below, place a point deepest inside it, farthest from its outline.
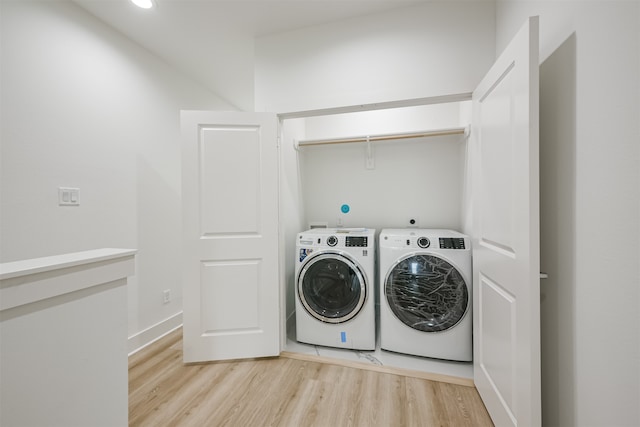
(337, 238)
(452, 243)
(356, 241)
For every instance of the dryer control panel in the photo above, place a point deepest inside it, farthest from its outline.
(424, 239)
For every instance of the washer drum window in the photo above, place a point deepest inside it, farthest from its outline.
(332, 288)
(426, 293)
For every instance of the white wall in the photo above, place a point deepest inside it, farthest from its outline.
(590, 216)
(431, 49)
(420, 178)
(84, 107)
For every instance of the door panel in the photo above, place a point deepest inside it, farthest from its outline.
(230, 172)
(497, 150)
(222, 284)
(506, 234)
(230, 235)
(497, 326)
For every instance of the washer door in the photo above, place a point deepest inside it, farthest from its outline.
(426, 293)
(332, 287)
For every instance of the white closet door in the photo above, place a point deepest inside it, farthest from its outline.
(507, 234)
(230, 235)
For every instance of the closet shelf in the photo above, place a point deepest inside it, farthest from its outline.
(385, 137)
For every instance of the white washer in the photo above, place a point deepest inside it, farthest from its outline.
(335, 286)
(425, 293)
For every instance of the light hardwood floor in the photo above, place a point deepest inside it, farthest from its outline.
(287, 392)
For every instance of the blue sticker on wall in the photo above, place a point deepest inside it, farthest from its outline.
(345, 208)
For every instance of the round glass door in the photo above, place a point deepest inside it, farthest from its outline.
(331, 287)
(426, 293)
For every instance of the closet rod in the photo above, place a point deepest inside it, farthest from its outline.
(385, 137)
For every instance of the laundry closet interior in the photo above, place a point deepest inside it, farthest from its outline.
(389, 166)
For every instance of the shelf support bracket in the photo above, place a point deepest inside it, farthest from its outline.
(370, 162)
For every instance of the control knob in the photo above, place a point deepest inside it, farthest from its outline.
(423, 242)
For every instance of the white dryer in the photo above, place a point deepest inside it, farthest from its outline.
(335, 286)
(425, 293)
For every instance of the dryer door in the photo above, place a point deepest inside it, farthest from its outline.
(426, 293)
(332, 287)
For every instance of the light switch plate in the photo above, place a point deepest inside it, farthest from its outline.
(68, 196)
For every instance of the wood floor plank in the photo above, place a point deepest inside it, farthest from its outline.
(424, 403)
(287, 392)
(464, 405)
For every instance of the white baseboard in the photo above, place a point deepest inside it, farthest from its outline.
(153, 333)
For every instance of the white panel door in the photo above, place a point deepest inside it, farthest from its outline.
(230, 235)
(507, 234)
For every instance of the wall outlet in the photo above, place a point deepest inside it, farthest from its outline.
(413, 221)
(166, 296)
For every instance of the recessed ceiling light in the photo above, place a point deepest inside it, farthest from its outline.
(145, 4)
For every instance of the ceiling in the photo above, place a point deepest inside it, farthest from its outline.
(196, 36)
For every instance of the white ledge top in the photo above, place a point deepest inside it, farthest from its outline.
(9, 270)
